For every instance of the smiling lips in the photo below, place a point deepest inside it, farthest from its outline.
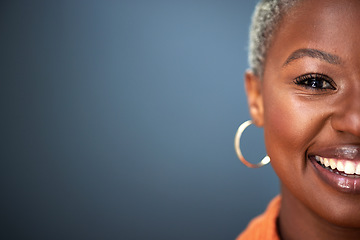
(339, 167)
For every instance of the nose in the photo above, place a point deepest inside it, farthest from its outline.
(347, 116)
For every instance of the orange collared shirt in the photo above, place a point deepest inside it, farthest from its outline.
(263, 227)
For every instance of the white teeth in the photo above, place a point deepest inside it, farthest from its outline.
(340, 166)
(357, 171)
(326, 162)
(349, 167)
(319, 159)
(333, 164)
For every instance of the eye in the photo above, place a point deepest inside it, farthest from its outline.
(315, 81)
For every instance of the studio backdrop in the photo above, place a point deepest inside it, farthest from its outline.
(118, 120)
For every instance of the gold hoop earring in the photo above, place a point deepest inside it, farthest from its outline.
(238, 134)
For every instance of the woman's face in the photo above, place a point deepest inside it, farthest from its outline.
(310, 96)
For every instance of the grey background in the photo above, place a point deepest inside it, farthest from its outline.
(118, 118)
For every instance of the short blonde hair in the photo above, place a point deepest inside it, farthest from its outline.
(265, 21)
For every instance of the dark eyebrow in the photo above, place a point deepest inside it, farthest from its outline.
(313, 53)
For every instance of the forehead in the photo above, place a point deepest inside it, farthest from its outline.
(329, 25)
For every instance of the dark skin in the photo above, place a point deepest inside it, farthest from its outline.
(304, 117)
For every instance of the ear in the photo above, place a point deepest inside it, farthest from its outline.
(255, 99)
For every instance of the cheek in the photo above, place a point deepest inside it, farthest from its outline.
(284, 123)
(290, 126)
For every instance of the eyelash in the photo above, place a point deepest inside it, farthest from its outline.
(315, 81)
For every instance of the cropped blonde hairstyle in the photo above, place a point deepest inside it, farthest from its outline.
(265, 21)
